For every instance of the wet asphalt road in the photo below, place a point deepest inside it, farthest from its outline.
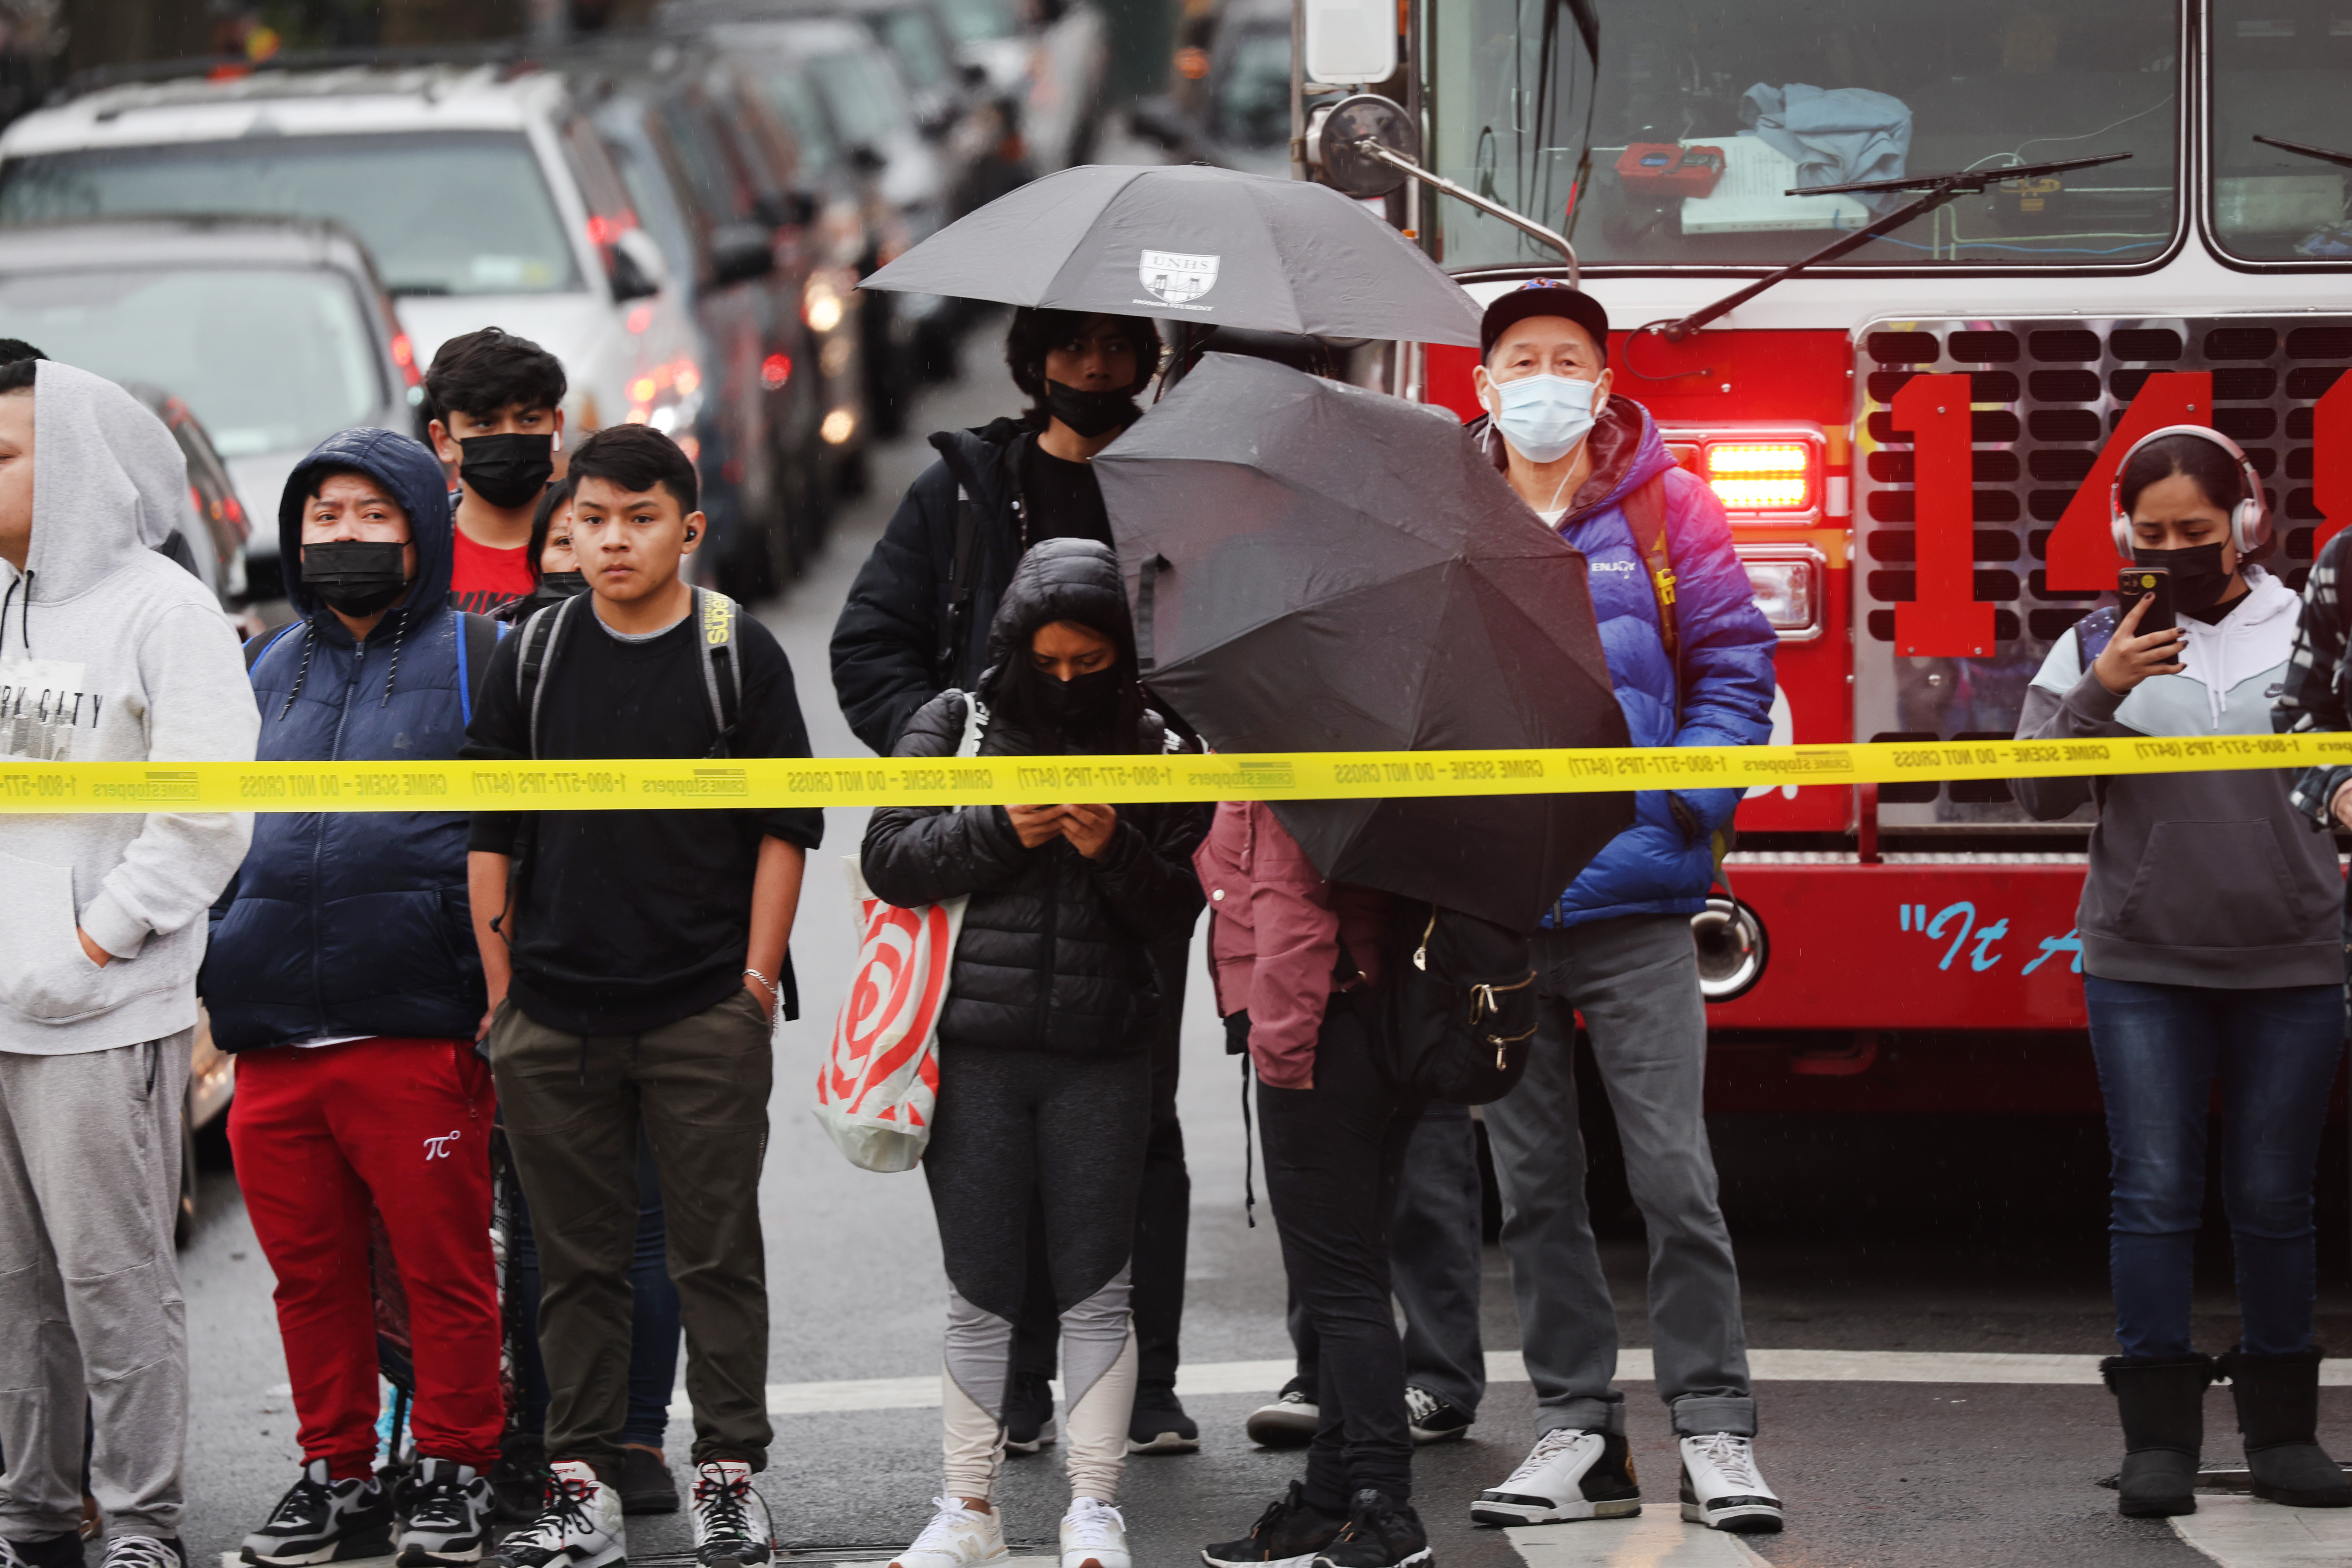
(1918, 1234)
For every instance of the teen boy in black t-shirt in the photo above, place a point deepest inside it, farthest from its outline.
(634, 974)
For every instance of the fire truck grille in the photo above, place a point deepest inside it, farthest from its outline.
(2046, 394)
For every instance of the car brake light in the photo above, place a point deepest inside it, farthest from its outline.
(775, 370)
(1762, 476)
(403, 354)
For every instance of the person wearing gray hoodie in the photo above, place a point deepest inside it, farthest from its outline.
(108, 653)
(2209, 958)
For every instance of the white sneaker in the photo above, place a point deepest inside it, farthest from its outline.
(957, 1537)
(579, 1527)
(1094, 1535)
(1721, 1487)
(1570, 1474)
(730, 1520)
(1289, 1422)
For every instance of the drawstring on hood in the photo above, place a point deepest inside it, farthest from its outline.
(310, 641)
(25, 622)
(398, 637)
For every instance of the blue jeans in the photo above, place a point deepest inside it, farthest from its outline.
(654, 1326)
(2161, 1049)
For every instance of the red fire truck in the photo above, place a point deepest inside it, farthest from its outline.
(1915, 439)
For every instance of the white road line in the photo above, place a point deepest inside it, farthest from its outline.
(1656, 1538)
(2247, 1533)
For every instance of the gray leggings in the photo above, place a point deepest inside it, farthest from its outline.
(1068, 1133)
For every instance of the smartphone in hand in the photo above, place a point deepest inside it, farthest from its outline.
(2154, 583)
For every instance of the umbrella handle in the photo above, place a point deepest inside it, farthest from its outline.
(1146, 590)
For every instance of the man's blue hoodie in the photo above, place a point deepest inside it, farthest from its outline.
(356, 923)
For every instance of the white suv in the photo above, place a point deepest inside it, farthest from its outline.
(484, 195)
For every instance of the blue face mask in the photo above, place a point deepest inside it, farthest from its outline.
(1544, 418)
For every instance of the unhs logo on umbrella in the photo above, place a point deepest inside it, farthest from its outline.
(1177, 277)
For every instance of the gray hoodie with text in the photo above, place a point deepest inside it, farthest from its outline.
(2196, 878)
(109, 653)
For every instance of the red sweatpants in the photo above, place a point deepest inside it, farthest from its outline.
(320, 1136)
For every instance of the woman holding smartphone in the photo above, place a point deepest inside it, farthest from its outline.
(2210, 956)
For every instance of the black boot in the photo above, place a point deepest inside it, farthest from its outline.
(2161, 1400)
(2278, 1411)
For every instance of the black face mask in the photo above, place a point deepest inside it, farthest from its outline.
(554, 587)
(2199, 580)
(1079, 700)
(357, 576)
(507, 470)
(1091, 414)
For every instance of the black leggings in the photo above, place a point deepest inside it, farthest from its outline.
(1333, 1155)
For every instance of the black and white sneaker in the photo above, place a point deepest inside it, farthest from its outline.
(1433, 1419)
(318, 1521)
(1721, 1487)
(731, 1518)
(1290, 1421)
(1379, 1534)
(443, 1514)
(1029, 1415)
(579, 1525)
(1157, 1424)
(146, 1552)
(1570, 1474)
(1286, 1535)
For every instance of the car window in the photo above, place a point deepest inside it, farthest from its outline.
(2279, 72)
(862, 96)
(709, 173)
(972, 20)
(788, 88)
(655, 203)
(461, 213)
(909, 37)
(271, 359)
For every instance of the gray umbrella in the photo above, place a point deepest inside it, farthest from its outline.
(1211, 246)
(1318, 568)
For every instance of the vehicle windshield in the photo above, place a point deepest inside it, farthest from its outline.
(972, 21)
(866, 102)
(2279, 69)
(907, 35)
(462, 214)
(272, 360)
(1709, 109)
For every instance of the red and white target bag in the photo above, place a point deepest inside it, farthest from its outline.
(880, 1079)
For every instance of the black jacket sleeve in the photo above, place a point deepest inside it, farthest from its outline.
(919, 855)
(1147, 878)
(885, 644)
(497, 735)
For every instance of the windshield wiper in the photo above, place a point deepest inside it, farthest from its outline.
(2322, 154)
(1939, 189)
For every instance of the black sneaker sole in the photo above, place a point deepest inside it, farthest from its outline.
(1487, 1510)
(373, 1544)
(1751, 1520)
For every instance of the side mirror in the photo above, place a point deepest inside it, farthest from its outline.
(740, 251)
(637, 267)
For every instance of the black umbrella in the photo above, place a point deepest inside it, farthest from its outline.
(1318, 568)
(1190, 243)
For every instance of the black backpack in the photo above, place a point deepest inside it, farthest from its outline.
(1460, 1013)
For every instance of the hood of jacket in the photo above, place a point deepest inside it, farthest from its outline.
(405, 468)
(110, 483)
(1626, 449)
(2250, 639)
(1063, 580)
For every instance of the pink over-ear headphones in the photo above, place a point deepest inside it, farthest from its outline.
(2250, 526)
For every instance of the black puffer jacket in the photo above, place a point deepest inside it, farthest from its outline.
(1054, 952)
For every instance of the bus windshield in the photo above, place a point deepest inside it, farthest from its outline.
(1708, 110)
(2279, 71)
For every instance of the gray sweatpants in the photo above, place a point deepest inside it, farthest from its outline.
(1635, 980)
(90, 1287)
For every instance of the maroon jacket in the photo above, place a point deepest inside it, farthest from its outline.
(1275, 926)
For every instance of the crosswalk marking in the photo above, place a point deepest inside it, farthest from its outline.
(2247, 1533)
(1658, 1537)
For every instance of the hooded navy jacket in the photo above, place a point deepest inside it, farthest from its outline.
(355, 924)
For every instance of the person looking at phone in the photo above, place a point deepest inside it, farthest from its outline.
(2208, 957)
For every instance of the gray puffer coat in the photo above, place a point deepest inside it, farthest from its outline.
(1055, 953)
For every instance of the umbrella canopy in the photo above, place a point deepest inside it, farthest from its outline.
(1315, 567)
(1211, 246)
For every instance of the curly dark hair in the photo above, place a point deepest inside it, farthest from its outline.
(1036, 332)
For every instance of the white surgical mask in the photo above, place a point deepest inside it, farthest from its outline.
(1544, 418)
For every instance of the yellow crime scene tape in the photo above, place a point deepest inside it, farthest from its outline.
(36, 788)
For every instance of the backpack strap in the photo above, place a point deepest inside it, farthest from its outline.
(1645, 514)
(956, 627)
(256, 647)
(477, 639)
(2094, 631)
(539, 635)
(722, 681)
